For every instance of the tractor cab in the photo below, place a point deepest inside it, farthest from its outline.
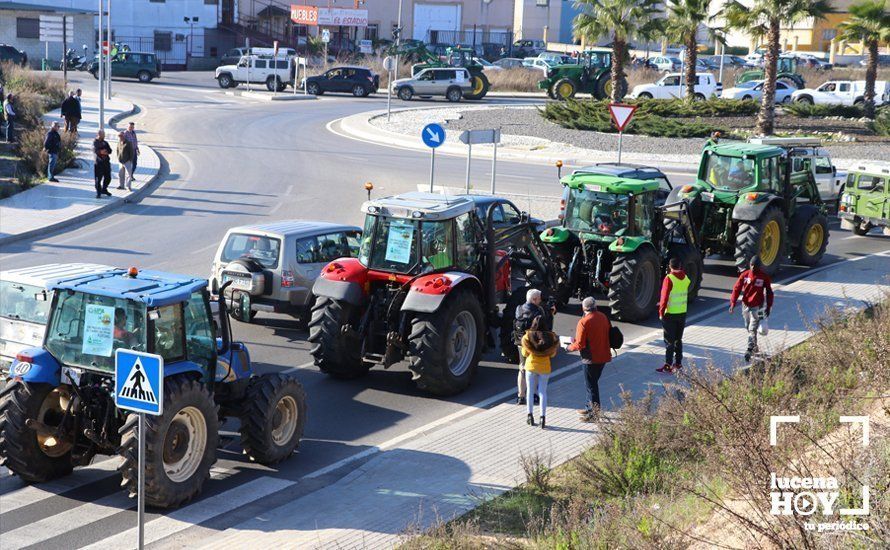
(732, 169)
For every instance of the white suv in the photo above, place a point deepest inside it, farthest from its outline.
(673, 85)
(259, 69)
(451, 82)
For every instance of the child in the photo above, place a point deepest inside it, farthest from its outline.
(538, 346)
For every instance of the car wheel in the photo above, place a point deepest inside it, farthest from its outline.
(405, 93)
(95, 74)
(144, 76)
(805, 99)
(225, 81)
(786, 99)
(699, 97)
(453, 95)
(645, 95)
(747, 98)
(313, 89)
(359, 91)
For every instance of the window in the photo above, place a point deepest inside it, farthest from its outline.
(157, 1)
(845, 87)
(769, 176)
(644, 211)
(466, 240)
(163, 41)
(445, 75)
(335, 73)
(823, 166)
(260, 64)
(167, 333)
(829, 34)
(371, 31)
(260, 248)
(871, 183)
(437, 245)
(210, 2)
(200, 341)
(281, 64)
(327, 248)
(851, 180)
(17, 302)
(671, 81)
(27, 27)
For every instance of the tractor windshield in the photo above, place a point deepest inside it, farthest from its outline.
(597, 212)
(85, 329)
(406, 245)
(730, 173)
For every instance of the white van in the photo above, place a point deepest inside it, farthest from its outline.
(22, 316)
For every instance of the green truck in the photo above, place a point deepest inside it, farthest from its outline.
(591, 74)
(748, 200)
(613, 239)
(865, 203)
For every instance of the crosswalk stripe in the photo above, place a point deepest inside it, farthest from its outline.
(15, 493)
(196, 513)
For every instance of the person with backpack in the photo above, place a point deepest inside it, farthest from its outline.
(522, 323)
(592, 340)
(756, 289)
(672, 312)
(538, 347)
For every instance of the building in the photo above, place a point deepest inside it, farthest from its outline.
(20, 27)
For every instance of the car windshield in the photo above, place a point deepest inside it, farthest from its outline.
(596, 212)
(17, 302)
(264, 250)
(86, 329)
(731, 173)
(395, 244)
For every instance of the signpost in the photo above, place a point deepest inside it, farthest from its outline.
(433, 136)
(621, 115)
(139, 387)
(56, 28)
(365, 46)
(325, 37)
(475, 137)
(389, 64)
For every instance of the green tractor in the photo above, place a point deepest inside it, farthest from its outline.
(456, 56)
(748, 200)
(613, 241)
(786, 71)
(591, 74)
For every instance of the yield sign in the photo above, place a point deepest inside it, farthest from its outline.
(621, 114)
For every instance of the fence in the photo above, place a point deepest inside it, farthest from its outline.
(172, 50)
(470, 37)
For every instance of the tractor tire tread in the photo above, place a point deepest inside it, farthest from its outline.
(263, 394)
(331, 353)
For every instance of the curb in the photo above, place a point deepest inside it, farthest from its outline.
(135, 196)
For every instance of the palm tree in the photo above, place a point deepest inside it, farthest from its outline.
(870, 22)
(765, 18)
(684, 17)
(620, 20)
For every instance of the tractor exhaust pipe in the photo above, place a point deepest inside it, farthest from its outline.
(225, 326)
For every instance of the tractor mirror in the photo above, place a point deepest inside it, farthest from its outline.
(41, 296)
(154, 315)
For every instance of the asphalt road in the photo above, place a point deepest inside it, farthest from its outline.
(230, 161)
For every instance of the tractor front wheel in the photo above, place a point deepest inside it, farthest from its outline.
(481, 86)
(633, 284)
(180, 445)
(335, 352)
(33, 456)
(604, 87)
(272, 418)
(764, 237)
(812, 235)
(444, 346)
(564, 89)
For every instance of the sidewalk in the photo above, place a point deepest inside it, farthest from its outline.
(49, 206)
(446, 471)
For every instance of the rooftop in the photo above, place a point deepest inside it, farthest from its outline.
(609, 184)
(153, 288)
(21, 6)
(431, 205)
(744, 149)
(290, 227)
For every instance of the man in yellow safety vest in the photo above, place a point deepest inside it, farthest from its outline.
(672, 312)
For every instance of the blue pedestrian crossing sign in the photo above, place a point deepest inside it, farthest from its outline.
(433, 135)
(139, 381)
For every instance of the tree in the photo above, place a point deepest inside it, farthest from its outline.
(870, 22)
(620, 20)
(684, 18)
(765, 18)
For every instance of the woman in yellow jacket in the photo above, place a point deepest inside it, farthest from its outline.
(538, 346)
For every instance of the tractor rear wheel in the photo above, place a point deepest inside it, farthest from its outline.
(444, 346)
(31, 456)
(180, 445)
(564, 88)
(811, 230)
(764, 237)
(335, 353)
(693, 265)
(603, 89)
(633, 284)
(273, 416)
(481, 86)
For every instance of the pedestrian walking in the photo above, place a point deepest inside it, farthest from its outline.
(71, 112)
(102, 168)
(52, 144)
(125, 160)
(78, 95)
(756, 289)
(131, 137)
(525, 316)
(538, 347)
(672, 312)
(9, 117)
(592, 340)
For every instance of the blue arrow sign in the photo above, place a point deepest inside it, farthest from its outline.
(139, 382)
(433, 135)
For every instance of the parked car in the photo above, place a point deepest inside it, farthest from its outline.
(664, 64)
(505, 214)
(842, 92)
(487, 65)
(883, 61)
(451, 82)
(359, 81)
(536, 63)
(528, 48)
(233, 56)
(23, 316)
(865, 203)
(274, 73)
(508, 63)
(142, 65)
(13, 55)
(273, 265)
(753, 89)
(673, 85)
(731, 61)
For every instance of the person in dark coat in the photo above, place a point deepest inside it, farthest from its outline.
(102, 168)
(71, 112)
(52, 144)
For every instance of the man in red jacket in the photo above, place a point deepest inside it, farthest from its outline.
(592, 340)
(756, 290)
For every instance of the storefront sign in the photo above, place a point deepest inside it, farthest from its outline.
(332, 17)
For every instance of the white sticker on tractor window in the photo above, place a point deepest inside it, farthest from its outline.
(400, 241)
(98, 330)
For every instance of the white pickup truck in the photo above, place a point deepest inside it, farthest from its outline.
(673, 85)
(261, 69)
(808, 154)
(843, 92)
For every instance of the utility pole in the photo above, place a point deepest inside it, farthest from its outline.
(101, 70)
(108, 32)
(398, 41)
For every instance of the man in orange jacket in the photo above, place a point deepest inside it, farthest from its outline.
(592, 340)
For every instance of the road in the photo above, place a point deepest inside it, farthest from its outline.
(230, 161)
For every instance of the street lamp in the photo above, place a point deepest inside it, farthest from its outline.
(191, 22)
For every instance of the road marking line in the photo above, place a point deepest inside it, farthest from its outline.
(13, 498)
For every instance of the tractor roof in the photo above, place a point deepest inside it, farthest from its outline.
(429, 205)
(153, 288)
(742, 150)
(608, 184)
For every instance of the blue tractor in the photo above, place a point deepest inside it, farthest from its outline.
(57, 410)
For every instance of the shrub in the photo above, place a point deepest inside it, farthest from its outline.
(21, 80)
(805, 110)
(881, 124)
(594, 116)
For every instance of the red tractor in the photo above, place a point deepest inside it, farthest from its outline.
(426, 287)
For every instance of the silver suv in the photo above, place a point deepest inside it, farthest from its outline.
(273, 266)
(451, 82)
